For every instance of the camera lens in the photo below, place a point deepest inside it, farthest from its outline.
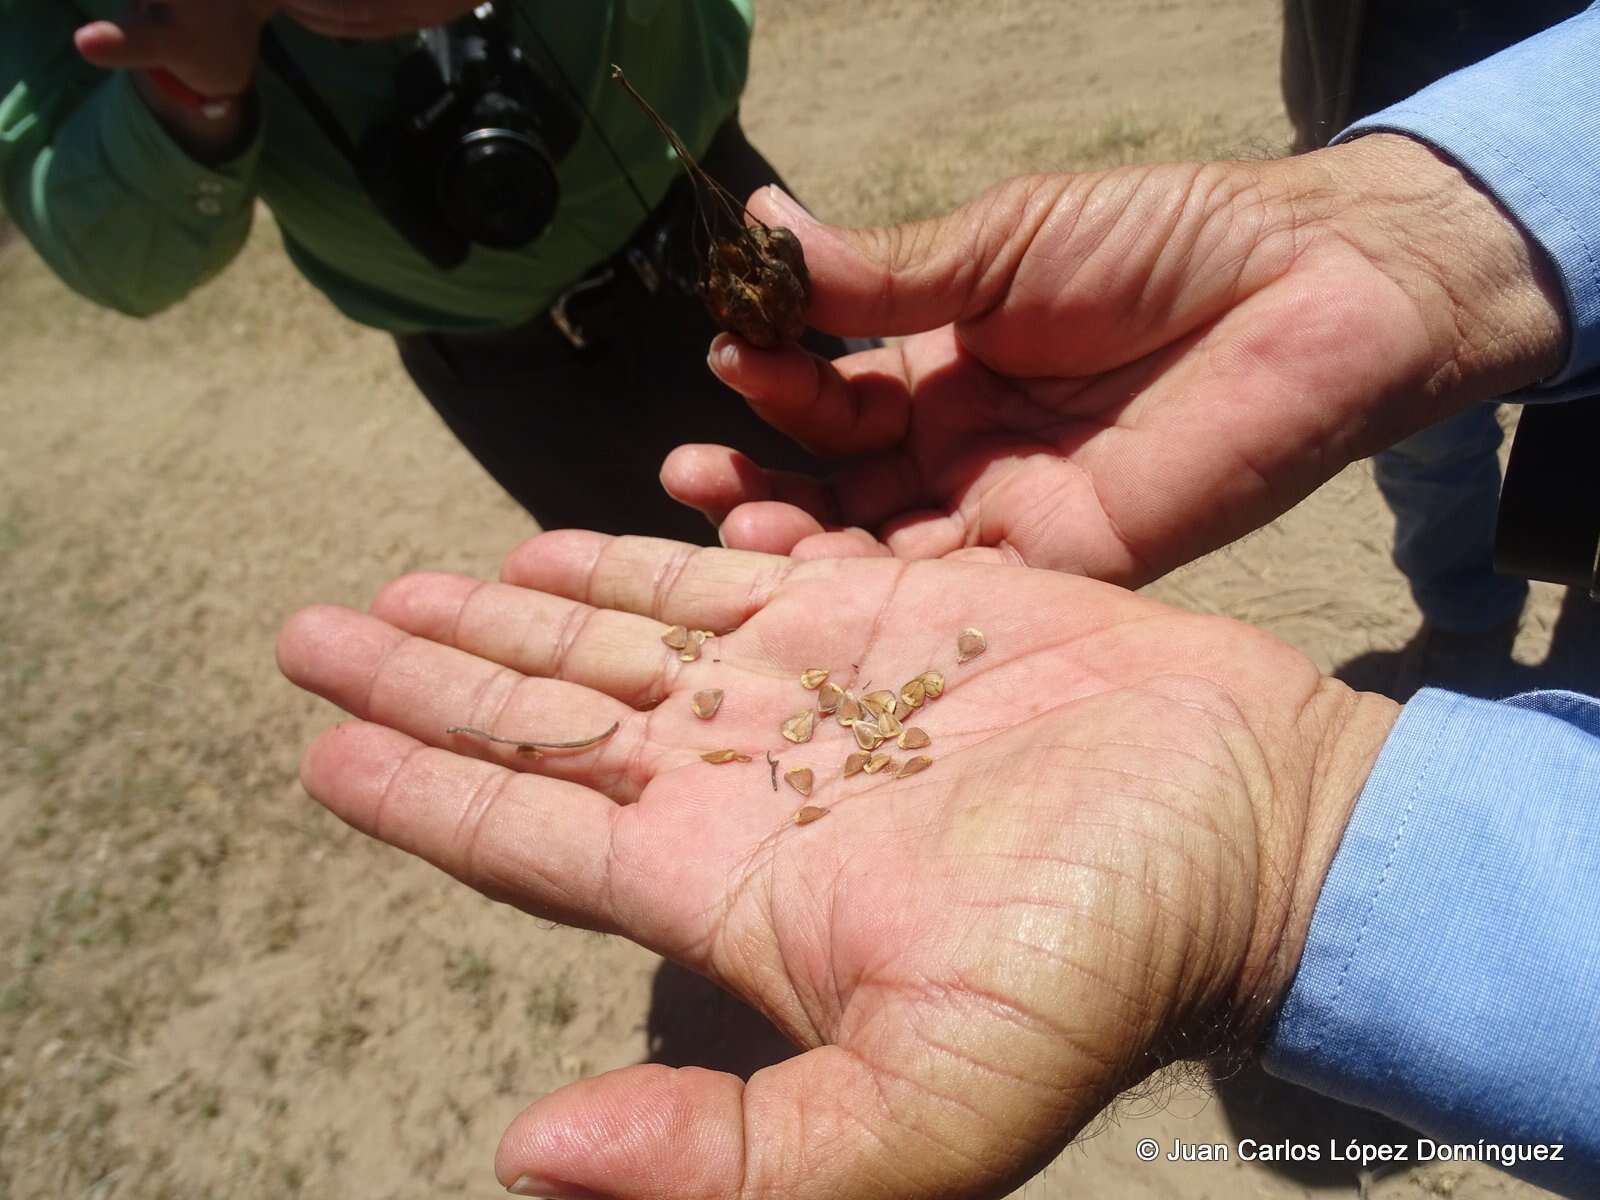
(499, 188)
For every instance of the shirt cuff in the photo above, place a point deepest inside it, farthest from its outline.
(144, 157)
(1451, 974)
(1526, 124)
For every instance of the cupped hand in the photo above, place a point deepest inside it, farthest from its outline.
(1110, 863)
(1114, 373)
(210, 45)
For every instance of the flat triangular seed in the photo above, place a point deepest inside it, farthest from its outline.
(799, 779)
(809, 814)
(867, 735)
(912, 765)
(799, 727)
(932, 684)
(849, 711)
(689, 653)
(706, 703)
(718, 757)
(913, 694)
(813, 679)
(702, 636)
(878, 702)
(828, 697)
(889, 725)
(675, 638)
(970, 644)
(855, 762)
(878, 762)
(913, 739)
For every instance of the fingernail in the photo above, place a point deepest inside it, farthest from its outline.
(537, 1185)
(788, 207)
(723, 353)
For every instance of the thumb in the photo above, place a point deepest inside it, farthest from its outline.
(815, 1127)
(127, 45)
(904, 279)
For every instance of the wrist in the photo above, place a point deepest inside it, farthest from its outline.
(1492, 308)
(1342, 732)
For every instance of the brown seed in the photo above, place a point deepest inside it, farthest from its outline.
(799, 727)
(867, 735)
(878, 762)
(913, 694)
(718, 757)
(809, 814)
(702, 636)
(675, 638)
(854, 764)
(828, 697)
(849, 711)
(912, 765)
(932, 684)
(878, 702)
(799, 779)
(707, 702)
(913, 739)
(889, 725)
(970, 644)
(813, 679)
(902, 710)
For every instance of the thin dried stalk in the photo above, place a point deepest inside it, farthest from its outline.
(527, 746)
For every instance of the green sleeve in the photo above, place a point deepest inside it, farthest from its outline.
(116, 208)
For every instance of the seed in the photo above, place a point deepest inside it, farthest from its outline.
(706, 703)
(867, 735)
(813, 679)
(798, 728)
(932, 684)
(829, 696)
(809, 814)
(970, 644)
(849, 711)
(718, 757)
(912, 765)
(675, 638)
(913, 694)
(913, 739)
(854, 764)
(878, 702)
(690, 652)
(889, 725)
(877, 763)
(902, 710)
(799, 779)
(702, 636)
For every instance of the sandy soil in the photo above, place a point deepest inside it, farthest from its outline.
(209, 986)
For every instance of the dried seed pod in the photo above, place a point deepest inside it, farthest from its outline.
(889, 725)
(867, 735)
(799, 779)
(912, 765)
(913, 739)
(809, 814)
(718, 757)
(849, 710)
(878, 702)
(855, 763)
(707, 702)
(913, 694)
(878, 762)
(675, 638)
(799, 727)
(813, 679)
(970, 644)
(932, 684)
(829, 696)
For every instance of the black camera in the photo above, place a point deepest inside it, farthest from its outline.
(1549, 522)
(470, 155)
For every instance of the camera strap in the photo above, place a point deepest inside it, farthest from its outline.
(278, 60)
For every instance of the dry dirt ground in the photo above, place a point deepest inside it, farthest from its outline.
(210, 987)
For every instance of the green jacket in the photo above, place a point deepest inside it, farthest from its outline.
(129, 220)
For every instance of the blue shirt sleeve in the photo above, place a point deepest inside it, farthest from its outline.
(1451, 978)
(1526, 124)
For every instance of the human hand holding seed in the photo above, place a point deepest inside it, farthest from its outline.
(1113, 373)
(1111, 861)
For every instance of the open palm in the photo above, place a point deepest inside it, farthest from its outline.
(1112, 374)
(1120, 838)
